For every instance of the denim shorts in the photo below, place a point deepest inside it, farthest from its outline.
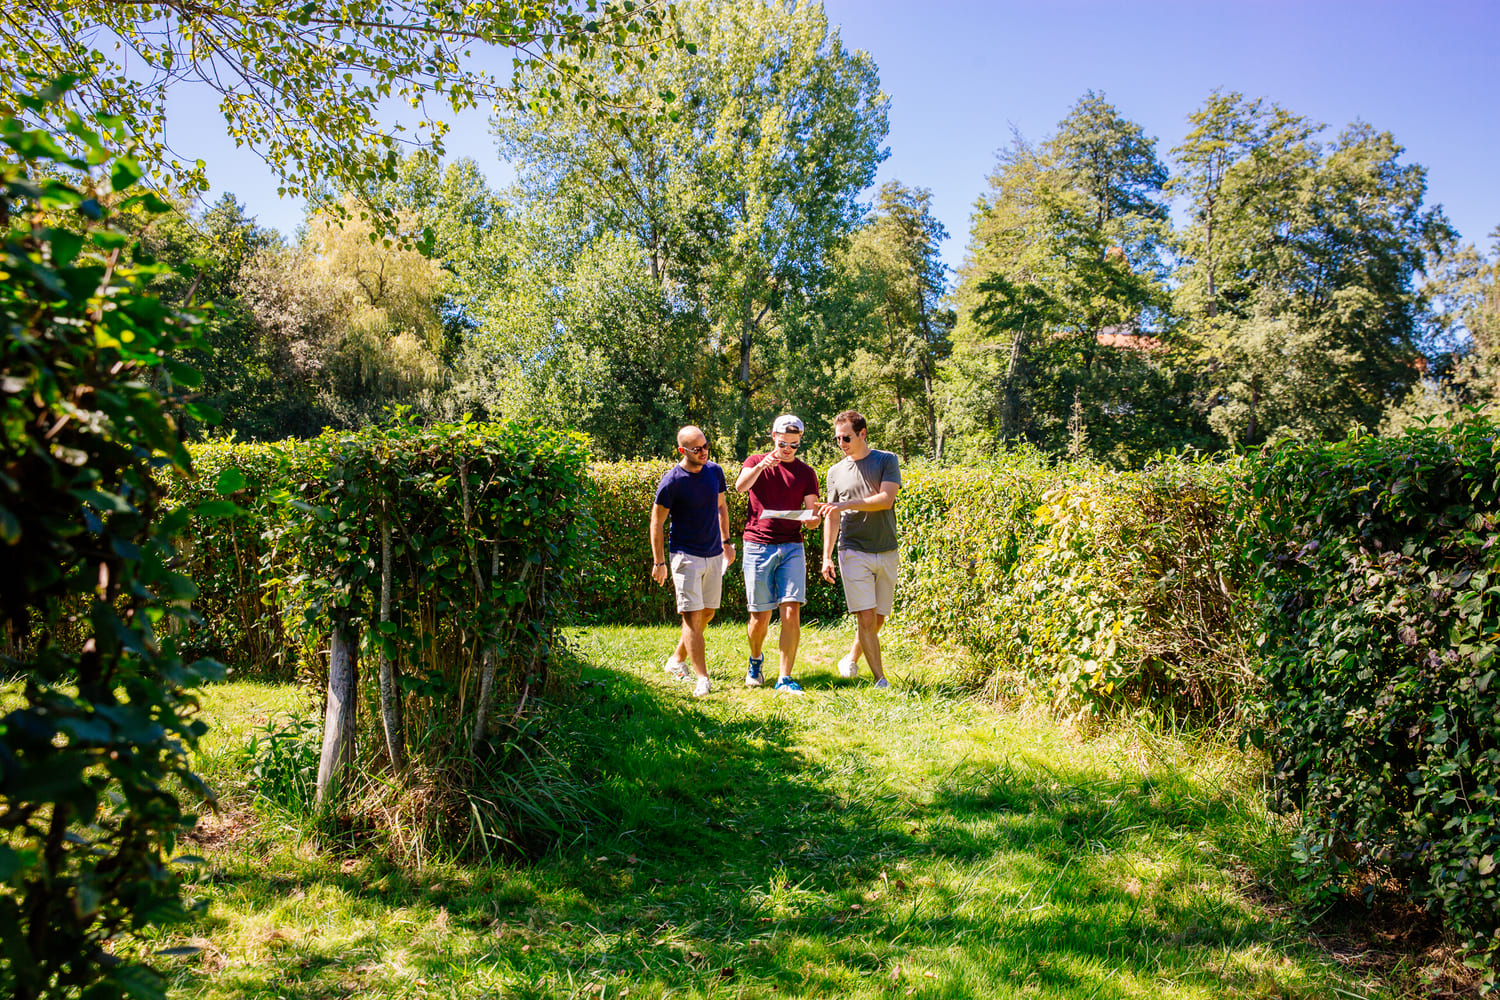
(774, 575)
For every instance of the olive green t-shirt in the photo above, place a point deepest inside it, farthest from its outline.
(865, 531)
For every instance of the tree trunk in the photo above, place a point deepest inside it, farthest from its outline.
(390, 686)
(487, 668)
(1010, 415)
(338, 716)
(1251, 430)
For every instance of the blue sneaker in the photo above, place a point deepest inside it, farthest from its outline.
(788, 685)
(752, 676)
(881, 683)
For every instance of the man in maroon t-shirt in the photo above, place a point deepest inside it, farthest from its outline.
(783, 492)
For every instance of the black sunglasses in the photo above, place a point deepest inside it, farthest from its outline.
(701, 449)
(789, 445)
(843, 438)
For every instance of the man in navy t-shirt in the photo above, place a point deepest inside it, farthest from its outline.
(691, 494)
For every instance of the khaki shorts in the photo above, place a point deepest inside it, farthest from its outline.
(869, 579)
(698, 580)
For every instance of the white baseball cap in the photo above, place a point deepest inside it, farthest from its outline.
(787, 422)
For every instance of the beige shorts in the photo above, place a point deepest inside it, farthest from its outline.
(869, 579)
(698, 580)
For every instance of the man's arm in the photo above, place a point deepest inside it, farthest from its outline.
(831, 522)
(882, 500)
(724, 529)
(658, 543)
(750, 473)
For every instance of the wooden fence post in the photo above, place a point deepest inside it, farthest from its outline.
(339, 716)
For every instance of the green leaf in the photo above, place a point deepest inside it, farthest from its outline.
(124, 173)
(218, 508)
(230, 480)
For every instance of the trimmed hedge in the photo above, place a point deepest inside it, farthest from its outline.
(1380, 579)
(479, 526)
(1088, 588)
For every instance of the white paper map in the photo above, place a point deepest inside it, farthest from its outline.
(791, 515)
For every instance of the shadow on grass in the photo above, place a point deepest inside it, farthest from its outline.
(731, 862)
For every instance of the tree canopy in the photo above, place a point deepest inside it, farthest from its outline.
(308, 84)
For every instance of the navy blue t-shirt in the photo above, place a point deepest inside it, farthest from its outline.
(693, 500)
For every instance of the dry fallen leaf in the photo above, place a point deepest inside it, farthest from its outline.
(726, 973)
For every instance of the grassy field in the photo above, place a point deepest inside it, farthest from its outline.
(847, 843)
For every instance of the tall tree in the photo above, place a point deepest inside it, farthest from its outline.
(736, 200)
(1062, 293)
(899, 282)
(1299, 285)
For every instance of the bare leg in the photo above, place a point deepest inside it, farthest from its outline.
(854, 649)
(760, 624)
(693, 623)
(868, 637)
(791, 635)
(680, 654)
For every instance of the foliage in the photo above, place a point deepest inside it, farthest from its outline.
(302, 84)
(1300, 288)
(93, 762)
(709, 228)
(1086, 588)
(1381, 607)
(887, 300)
(1062, 300)
(481, 523)
(352, 320)
(280, 762)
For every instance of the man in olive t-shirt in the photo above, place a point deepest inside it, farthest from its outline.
(860, 517)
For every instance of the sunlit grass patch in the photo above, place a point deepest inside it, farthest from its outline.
(845, 843)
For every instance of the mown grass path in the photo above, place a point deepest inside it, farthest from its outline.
(847, 843)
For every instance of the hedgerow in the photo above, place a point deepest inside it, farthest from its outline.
(1088, 588)
(1378, 576)
(439, 552)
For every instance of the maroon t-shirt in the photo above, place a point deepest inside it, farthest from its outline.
(783, 486)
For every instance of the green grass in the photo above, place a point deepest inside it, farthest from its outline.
(848, 843)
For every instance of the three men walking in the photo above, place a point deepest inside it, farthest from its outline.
(858, 517)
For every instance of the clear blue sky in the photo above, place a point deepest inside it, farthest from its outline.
(961, 73)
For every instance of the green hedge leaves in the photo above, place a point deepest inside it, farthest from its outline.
(1380, 575)
(94, 759)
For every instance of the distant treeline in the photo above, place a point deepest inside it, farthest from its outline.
(717, 265)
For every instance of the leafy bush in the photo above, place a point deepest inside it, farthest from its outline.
(1381, 600)
(1086, 587)
(91, 765)
(447, 548)
(281, 762)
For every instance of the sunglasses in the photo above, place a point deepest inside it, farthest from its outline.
(789, 446)
(702, 449)
(843, 438)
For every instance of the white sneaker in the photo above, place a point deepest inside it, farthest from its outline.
(676, 668)
(848, 667)
(703, 687)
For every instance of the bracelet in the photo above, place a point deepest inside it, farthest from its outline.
(727, 541)
(661, 564)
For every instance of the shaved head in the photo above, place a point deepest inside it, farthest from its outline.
(690, 435)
